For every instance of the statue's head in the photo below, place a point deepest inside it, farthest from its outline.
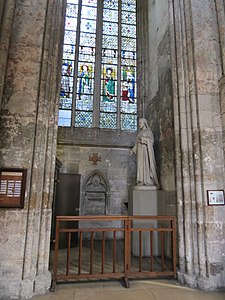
(143, 123)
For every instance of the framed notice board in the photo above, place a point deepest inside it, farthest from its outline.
(215, 197)
(12, 187)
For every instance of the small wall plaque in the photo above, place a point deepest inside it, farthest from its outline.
(12, 187)
(215, 197)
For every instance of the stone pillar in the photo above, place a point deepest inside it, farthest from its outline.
(198, 142)
(28, 127)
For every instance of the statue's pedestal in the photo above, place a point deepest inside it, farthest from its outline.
(148, 201)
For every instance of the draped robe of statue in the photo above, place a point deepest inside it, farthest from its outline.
(146, 165)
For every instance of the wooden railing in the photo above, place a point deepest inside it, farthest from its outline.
(148, 247)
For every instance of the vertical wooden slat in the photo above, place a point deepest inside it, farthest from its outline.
(103, 251)
(128, 229)
(140, 251)
(163, 250)
(114, 251)
(151, 251)
(127, 251)
(92, 252)
(80, 254)
(174, 247)
(55, 267)
(68, 253)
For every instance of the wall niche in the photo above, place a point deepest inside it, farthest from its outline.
(95, 194)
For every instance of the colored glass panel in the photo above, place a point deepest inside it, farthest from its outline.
(110, 15)
(108, 120)
(89, 13)
(73, 1)
(68, 52)
(69, 37)
(64, 118)
(128, 85)
(129, 122)
(129, 18)
(128, 44)
(71, 23)
(128, 107)
(108, 106)
(110, 28)
(71, 10)
(88, 26)
(87, 39)
(66, 79)
(110, 42)
(129, 5)
(65, 103)
(109, 74)
(128, 30)
(129, 56)
(84, 102)
(112, 4)
(83, 119)
(112, 53)
(111, 60)
(89, 2)
(87, 54)
(85, 79)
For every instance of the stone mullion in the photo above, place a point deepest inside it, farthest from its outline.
(98, 62)
(145, 50)
(142, 60)
(140, 104)
(75, 71)
(6, 18)
(118, 117)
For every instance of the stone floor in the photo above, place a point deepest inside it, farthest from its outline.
(139, 290)
(151, 289)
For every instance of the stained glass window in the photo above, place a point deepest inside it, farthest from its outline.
(99, 65)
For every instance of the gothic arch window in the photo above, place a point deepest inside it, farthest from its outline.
(98, 83)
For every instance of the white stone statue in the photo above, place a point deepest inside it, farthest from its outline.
(143, 148)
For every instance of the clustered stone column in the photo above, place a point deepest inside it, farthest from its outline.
(28, 139)
(199, 148)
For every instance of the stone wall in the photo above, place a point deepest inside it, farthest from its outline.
(159, 103)
(76, 145)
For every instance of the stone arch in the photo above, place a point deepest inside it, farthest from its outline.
(95, 194)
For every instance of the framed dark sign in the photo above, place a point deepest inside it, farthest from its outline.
(215, 197)
(12, 187)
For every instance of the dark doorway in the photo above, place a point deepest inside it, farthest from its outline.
(66, 203)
